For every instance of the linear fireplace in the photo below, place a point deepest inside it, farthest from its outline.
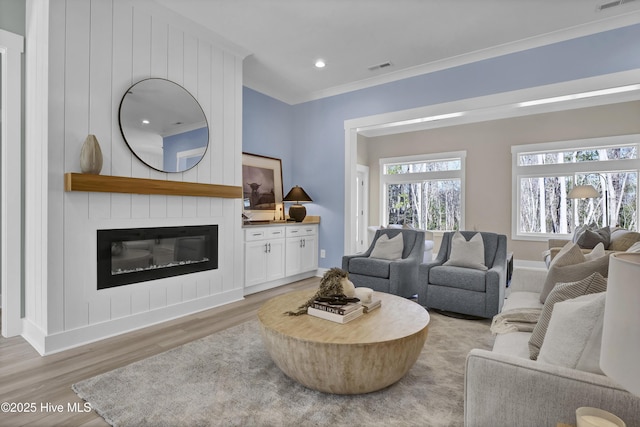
(140, 254)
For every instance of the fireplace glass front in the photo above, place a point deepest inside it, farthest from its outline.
(140, 254)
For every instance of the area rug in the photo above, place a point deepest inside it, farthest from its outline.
(228, 379)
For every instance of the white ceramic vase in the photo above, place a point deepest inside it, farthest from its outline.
(91, 156)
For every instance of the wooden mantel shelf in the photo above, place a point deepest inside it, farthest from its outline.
(121, 184)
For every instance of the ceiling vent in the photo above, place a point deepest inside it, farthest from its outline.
(614, 3)
(379, 66)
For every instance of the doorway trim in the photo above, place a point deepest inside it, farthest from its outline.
(473, 110)
(362, 172)
(11, 252)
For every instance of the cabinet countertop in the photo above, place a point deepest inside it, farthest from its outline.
(307, 220)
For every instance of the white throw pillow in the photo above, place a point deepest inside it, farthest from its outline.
(386, 248)
(574, 336)
(596, 252)
(469, 254)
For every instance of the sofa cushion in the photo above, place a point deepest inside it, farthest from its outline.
(370, 267)
(590, 238)
(513, 344)
(563, 291)
(386, 248)
(469, 254)
(574, 335)
(522, 299)
(461, 277)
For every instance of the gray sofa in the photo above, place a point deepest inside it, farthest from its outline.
(466, 290)
(398, 277)
(504, 387)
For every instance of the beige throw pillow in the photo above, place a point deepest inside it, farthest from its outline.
(469, 254)
(563, 291)
(623, 240)
(574, 336)
(386, 248)
(634, 248)
(570, 254)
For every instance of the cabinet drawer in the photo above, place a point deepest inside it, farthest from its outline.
(302, 230)
(252, 234)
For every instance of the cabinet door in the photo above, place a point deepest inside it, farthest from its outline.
(309, 254)
(255, 271)
(294, 246)
(275, 259)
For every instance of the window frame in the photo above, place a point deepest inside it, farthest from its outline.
(407, 178)
(566, 169)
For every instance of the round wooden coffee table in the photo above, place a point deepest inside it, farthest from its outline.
(361, 356)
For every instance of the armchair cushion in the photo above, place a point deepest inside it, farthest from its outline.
(469, 254)
(388, 248)
(460, 277)
(370, 267)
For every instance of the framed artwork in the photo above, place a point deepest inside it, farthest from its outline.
(261, 186)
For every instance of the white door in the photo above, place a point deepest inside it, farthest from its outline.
(362, 207)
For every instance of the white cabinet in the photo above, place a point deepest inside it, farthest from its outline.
(264, 254)
(279, 254)
(302, 249)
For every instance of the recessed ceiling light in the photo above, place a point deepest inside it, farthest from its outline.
(145, 122)
(320, 63)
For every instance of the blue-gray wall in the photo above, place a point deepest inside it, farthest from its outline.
(315, 152)
(267, 130)
(12, 16)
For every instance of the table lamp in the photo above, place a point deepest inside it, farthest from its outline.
(297, 195)
(620, 337)
(583, 192)
(620, 350)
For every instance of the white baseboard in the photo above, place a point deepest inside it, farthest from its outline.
(528, 263)
(49, 344)
(278, 282)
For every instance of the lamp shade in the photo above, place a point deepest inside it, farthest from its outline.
(298, 195)
(583, 192)
(620, 351)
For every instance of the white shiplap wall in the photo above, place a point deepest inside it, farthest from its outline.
(97, 49)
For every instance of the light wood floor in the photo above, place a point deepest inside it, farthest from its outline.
(26, 377)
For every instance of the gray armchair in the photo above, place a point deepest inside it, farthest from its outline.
(398, 277)
(466, 290)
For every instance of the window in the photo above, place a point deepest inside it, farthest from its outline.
(426, 192)
(544, 175)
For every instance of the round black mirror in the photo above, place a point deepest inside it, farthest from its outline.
(163, 125)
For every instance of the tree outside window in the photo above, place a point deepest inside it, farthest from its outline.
(424, 192)
(544, 207)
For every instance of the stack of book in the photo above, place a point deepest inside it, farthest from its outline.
(336, 313)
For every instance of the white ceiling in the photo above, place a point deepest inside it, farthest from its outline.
(285, 37)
